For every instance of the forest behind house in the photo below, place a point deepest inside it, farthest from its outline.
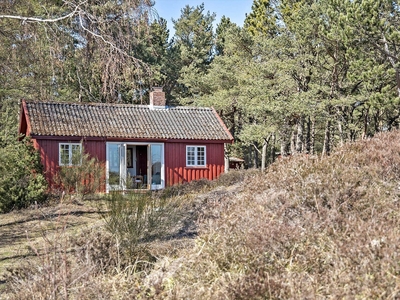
(298, 76)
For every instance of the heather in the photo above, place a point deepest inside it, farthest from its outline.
(309, 227)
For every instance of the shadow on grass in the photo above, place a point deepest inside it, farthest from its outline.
(52, 216)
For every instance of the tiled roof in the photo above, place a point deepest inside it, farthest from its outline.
(124, 121)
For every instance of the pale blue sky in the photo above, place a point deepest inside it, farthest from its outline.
(234, 9)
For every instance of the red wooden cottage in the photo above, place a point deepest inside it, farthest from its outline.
(152, 145)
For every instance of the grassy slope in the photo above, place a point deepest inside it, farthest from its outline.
(308, 228)
(22, 232)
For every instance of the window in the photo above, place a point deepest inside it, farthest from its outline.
(195, 156)
(70, 154)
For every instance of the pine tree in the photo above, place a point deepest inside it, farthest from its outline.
(263, 19)
(194, 43)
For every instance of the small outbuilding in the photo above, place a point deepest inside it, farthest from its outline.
(236, 163)
(152, 145)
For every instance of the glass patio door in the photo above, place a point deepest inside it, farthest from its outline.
(156, 169)
(116, 166)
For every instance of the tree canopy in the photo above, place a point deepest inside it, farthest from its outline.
(299, 76)
(304, 76)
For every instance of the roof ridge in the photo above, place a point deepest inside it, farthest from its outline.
(112, 104)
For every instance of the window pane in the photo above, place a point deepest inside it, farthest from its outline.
(190, 156)
(155, 164)
(64, 155)
(76, 154)
(200, 156)
(114, 164)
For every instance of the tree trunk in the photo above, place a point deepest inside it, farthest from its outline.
(264, 156)
(273, 148)
(377, 122)
(306, 145)
(284, 133)
(249, 156)
(255, 157)
(365, 124)
(293, 142)
(284, 151)
(327, 139)
(233, 120)
(341, 133)
(312, 137)
(226, 159)
(331, 137)
(299, 137)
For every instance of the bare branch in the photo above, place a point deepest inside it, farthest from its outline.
(392, 58)
(86, 29)
(32, 19)
(137, 61)
(255, 147)
(77, 11)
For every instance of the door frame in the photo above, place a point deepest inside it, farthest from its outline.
(123, 166)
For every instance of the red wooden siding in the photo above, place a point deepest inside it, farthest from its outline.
(49, 153)
(49, 156)
(175, 159)
(96, 149)
(175, 163)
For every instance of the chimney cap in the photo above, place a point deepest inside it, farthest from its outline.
(157, 88)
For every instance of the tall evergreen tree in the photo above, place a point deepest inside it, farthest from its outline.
(372, 34)
(194, 42)
(223, 29)
(263, 19)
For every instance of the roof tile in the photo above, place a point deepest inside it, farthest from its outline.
(124, 121)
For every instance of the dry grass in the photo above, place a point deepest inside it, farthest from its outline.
(308, 228)
(21, 232)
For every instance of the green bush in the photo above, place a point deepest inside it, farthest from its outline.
(84, 178)
(21, 179)
(137, 218)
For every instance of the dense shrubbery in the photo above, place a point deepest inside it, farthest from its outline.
(21, 178)
(308, 228)
(21, 181)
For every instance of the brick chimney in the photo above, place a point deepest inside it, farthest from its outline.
(157, 97)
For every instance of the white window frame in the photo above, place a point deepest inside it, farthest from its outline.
(69, 153)
(196, 157)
